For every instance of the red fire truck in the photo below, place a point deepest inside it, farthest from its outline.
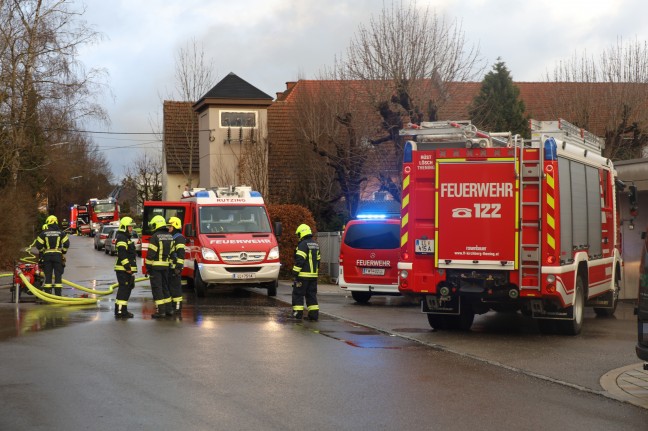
(80, 219)
(494, 222)
(102, 211)
(230, 240)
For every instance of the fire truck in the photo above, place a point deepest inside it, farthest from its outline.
(230, 240)
(102, 211)
(490, 221)
(80, 219)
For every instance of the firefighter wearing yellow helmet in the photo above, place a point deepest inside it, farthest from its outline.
(305, 271)
(157, 266)
(125, 267)
(176, 264)
(52, 244)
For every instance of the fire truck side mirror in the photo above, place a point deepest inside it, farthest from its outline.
(277, 228)
(188, 229)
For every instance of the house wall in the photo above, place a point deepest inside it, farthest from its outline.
(175, 185)
(219, 152)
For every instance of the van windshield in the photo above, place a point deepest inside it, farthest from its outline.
(233, 219)
(367, 236)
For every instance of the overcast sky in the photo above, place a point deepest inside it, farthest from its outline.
(270, 42)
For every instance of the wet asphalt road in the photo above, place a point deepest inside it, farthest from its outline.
(235, 362)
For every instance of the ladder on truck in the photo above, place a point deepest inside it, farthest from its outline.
(532, 155)
(464, 132)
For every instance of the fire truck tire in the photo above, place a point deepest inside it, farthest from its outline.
(607, 312)
(272, 288)
(362, 297)
(199, 284)
(574, 326)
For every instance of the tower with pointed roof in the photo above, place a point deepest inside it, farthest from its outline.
(232, 115)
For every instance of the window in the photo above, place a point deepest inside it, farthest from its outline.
(373, 236)
(237, 119)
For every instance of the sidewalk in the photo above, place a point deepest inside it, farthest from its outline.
(629, 384)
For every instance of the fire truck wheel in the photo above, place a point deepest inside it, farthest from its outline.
(199, 284)
(362, 297)
(574, 326)
(607, 312)
(272, 288)
(437, 321)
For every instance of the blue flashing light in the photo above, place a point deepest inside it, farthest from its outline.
(371, 216)
(550, 148)
(255, 194)
(407, 153)
(202, 194)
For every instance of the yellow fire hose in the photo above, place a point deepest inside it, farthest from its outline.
(65, 300)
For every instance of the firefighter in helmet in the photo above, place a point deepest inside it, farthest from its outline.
(125, 266)
(157, 266)
(64, 225)
(52, 244)
(307, 258)
(176, 264)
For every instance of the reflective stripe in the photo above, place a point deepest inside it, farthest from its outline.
(313, 307)
(121, 302)
(298, 307)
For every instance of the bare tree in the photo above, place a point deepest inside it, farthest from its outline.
(146, 178)
(406, 56)
(607, 95)
(193, 78)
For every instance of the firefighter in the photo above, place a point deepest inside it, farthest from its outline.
(157, 266)
(307, 258)
(52, 244)
(176, 264)
(64, 225)
(125, 267)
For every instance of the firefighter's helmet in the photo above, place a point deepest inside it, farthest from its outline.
(303, 230)
(157, 222)
(51, 220)
(175, 222)
(44, 227)
(125, 222)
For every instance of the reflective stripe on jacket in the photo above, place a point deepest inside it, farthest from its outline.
(307, 258)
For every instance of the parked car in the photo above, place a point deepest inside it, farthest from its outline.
(110, 245)
(100, 239)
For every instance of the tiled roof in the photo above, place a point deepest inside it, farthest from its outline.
(542, 102)
(233, 87)
(180, 137)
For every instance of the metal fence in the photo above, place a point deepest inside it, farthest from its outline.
(329, 243)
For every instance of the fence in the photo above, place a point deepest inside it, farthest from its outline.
(329, 243)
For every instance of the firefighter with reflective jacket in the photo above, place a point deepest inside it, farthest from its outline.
(157, 266)
(307, 258)
(52, 244)
(177, 263)
(125, 267)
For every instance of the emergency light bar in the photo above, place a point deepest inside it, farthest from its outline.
(376, 216)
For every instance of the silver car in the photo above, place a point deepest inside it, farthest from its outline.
(111, 241)
(100, 238)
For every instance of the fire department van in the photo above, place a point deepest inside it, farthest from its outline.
(369, 256)
(230, 240)
(492, 222)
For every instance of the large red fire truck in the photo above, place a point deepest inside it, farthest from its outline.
(102, 211)
(230, 240)
(494, 222)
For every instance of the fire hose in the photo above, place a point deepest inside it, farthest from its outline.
(56, 299)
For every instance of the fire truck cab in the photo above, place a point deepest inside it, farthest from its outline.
(494, 222)
(230, 240)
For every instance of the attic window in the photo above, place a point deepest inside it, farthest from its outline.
(237, 119)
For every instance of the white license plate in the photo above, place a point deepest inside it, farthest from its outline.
(243, 275)
(373, 271)
(424, 246)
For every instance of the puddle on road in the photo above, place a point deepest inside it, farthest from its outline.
(31, 316)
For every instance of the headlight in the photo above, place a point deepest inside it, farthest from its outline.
(209, 254)
(551, 278)
(404, 274)
(274, 253)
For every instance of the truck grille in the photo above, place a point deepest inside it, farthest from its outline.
(242, 257)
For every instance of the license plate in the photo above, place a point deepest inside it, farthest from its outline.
(424, 246)
(373, 271)
(243, 275)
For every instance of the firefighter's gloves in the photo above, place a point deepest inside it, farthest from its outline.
(63, 259)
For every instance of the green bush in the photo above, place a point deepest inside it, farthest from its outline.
(290, 216)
